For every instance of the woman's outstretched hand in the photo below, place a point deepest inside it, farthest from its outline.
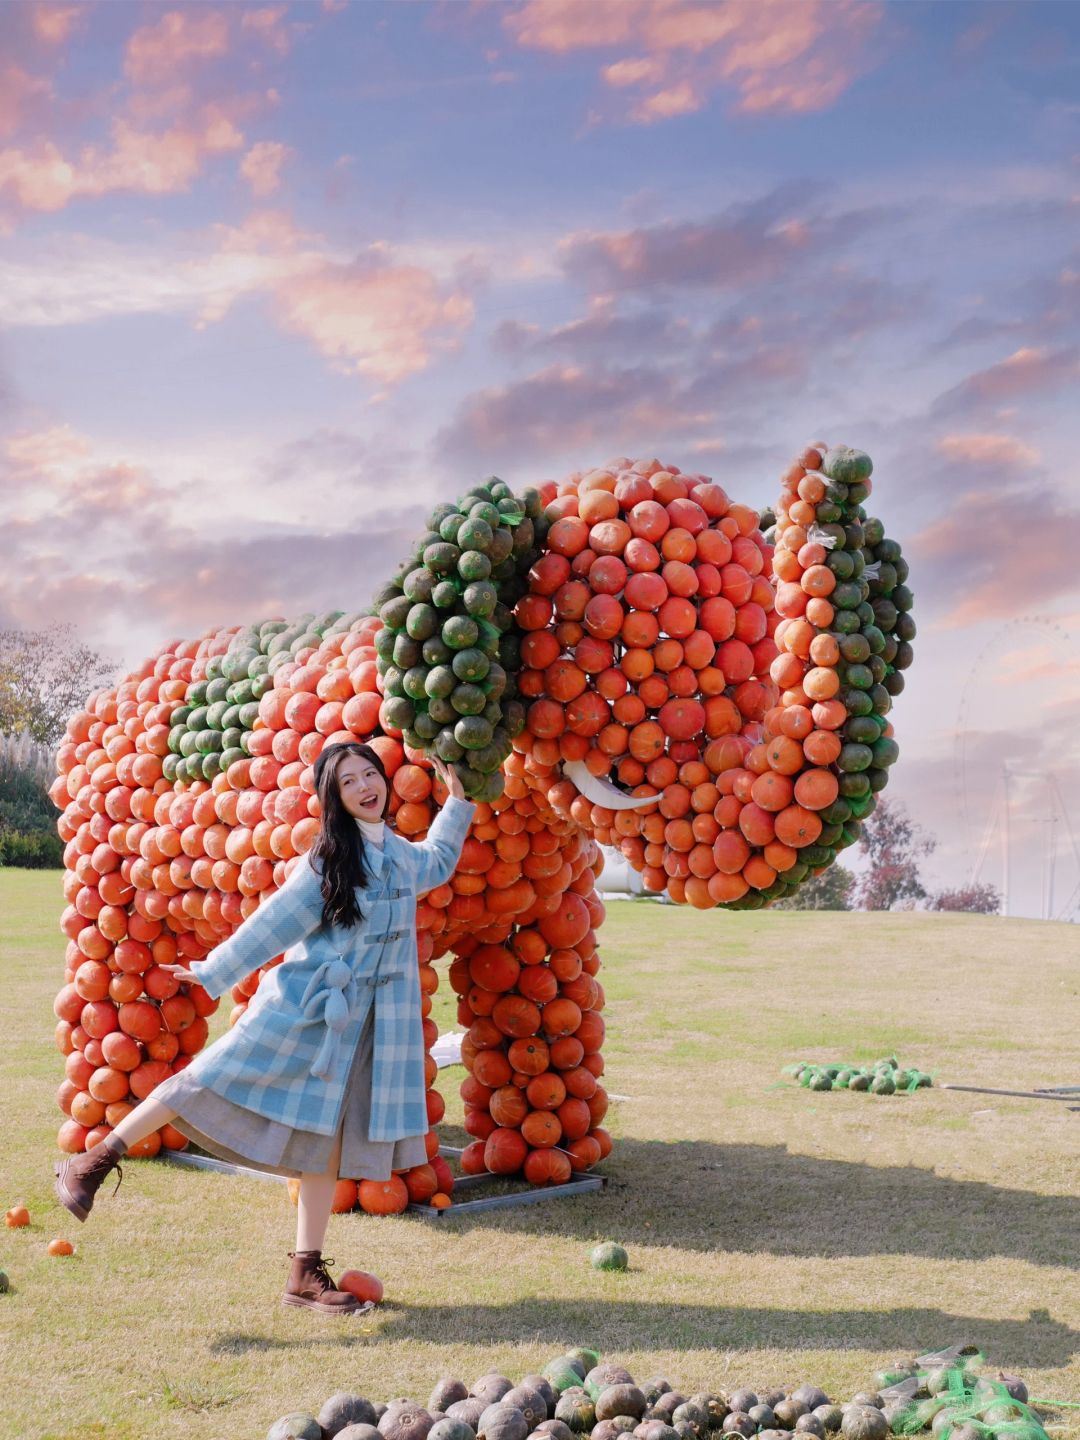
(186, 977)
(449, 776)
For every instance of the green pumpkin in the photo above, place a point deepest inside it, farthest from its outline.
(575, 1408)
(609, 1256)
(864, 1422)
(848, 466)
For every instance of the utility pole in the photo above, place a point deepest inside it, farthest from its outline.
(1005, 843)
(1051, 859)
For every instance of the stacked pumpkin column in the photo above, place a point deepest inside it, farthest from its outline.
(531, 1001)
(123, 1023)
(844, 639)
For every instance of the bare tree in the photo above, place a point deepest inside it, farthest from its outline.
(46, 675)
(974, 899)
(894, 846)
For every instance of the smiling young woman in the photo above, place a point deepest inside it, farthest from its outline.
(323, 1076)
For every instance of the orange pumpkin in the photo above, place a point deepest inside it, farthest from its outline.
(546, 1091)
(472, 1158)
(530, 1056)
(561, 1017)
(421, 1183)
(344, 1197)
(575, 1118)
(515, 1016)
(505, 1151)
(491, 1068)
(547, 1167)
(361, 1283)
(541, 1129)
(508, 1106)
(383, 1197)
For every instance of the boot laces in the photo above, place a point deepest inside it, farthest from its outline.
(320, 1271)
(101, 1164)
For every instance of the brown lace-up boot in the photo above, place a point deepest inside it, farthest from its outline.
(78, 1177)
(310, 1285)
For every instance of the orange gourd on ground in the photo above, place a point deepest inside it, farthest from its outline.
(361, 1283)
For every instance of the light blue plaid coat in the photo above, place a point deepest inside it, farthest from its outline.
(288, 1056)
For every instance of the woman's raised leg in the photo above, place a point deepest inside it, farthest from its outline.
(148, 1116)
(79, 1176)
(316, 1198)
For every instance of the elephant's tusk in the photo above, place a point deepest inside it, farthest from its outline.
(602, 792)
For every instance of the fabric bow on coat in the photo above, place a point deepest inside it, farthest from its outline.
(330, 997)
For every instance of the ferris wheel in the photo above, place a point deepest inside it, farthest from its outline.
(993, 818)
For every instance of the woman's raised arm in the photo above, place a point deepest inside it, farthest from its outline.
(434, 859)
(286, 917)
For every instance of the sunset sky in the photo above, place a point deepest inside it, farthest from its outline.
(275, 277)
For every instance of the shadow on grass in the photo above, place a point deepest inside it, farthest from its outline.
(618, 1325)
(750, 1199)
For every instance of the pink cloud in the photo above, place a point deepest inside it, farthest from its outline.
(261, 166)
(985, 558)
(566, 407)
(561, 26)
(1028, 371)
(19, 91)
(177, 582)
(269, 231)
(267, 22)
(1040, 662)
(107, 545)
(155, 52)
(54, 23)
(601, 334)
(632, 72)
(42, 452)
(999, 451)
(382, 316)
(787, 57)
(372, 317)
(43, 178)
(750, 241)
(559, 407)
(682, 98)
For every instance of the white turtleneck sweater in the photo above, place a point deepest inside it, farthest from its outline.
(372, 830)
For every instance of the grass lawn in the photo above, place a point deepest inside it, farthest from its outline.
(775, 1235)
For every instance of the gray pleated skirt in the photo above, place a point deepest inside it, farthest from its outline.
(234, 1133)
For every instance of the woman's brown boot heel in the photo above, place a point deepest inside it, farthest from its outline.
(78, 1177)
(310, 1285)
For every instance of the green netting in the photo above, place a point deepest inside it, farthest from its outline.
(960, 1404)
(884, 1077)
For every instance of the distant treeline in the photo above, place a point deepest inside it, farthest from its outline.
(28, 836)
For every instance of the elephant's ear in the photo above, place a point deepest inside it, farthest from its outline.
(708, 689)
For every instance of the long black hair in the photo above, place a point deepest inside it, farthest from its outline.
(340, 844)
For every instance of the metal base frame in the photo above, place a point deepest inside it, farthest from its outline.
(533, 1195)
(222, 1167)
(586, 1185)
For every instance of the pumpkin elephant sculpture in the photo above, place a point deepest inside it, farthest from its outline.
(621, 659)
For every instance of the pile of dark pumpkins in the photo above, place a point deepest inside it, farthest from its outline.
(576, 1396)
